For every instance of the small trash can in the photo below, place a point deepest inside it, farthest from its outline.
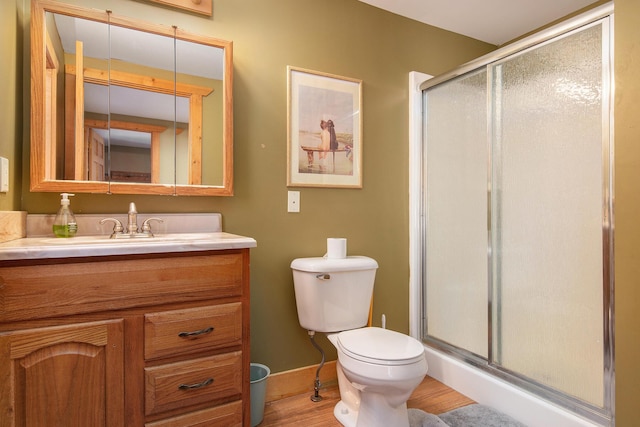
(259, 374)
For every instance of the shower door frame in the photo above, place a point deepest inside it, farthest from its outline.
(602, 15)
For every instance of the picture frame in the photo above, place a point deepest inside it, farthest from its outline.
(203, 7)
(324, 130)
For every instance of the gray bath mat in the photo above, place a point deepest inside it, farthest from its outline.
(418, 418)
(468, 416)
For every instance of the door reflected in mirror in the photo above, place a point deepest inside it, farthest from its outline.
(128, 107)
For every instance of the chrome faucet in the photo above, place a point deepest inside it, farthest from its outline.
(119, 232)
(132, 216)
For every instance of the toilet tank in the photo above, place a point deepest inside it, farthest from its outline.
(333, 294)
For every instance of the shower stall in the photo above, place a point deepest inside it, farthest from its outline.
(517, 215)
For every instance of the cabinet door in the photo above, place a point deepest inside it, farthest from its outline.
(63, 376)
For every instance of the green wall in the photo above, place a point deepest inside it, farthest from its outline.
(349, 38)
(11, 99)
(343, 37)
(627, 210)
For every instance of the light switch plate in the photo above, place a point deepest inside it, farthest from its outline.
(4, 175)
(293, 204)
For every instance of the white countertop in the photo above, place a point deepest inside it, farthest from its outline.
(176, 233)
(84, 246)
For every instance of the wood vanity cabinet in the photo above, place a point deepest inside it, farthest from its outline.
(154, 340)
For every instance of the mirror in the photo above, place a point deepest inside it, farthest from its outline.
(127, 107)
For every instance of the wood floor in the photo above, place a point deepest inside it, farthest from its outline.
(431, 396)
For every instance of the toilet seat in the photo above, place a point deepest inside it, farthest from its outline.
(380, 346)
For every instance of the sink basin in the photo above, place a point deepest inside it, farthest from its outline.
(107, 240)
(76, 240)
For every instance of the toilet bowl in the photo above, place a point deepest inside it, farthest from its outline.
(378, 369)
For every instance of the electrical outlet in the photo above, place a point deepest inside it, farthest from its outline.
(293, 204)
(4, 175)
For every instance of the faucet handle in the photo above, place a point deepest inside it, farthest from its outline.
(117, 226)
(146, 227)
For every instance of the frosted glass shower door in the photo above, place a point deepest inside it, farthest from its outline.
(517, 207)
(456, 213)
(548, 192)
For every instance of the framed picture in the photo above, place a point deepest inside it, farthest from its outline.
(324, 132)
(204, 7)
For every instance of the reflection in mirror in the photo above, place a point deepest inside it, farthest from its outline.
(137, 56)
(208, 72)
(66, 37)
(128, 107)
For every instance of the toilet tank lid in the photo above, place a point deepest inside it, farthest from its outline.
(327, 265)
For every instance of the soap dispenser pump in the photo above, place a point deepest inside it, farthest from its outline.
(65, 223)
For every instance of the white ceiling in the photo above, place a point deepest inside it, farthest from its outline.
(492, 21)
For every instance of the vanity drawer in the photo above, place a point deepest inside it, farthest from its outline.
(229, 415)
(190, 330)
(192, 382)
(68, 288)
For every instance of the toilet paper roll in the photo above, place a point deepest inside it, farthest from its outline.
(336, 248)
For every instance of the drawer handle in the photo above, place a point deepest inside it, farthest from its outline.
(196, 333)
(204, 383)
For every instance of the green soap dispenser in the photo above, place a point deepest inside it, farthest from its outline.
(65, 223)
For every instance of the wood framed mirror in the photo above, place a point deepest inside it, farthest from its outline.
(124, 106)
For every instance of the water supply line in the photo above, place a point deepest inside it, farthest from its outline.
(316, 386)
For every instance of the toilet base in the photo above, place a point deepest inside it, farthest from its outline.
(396, 417)
(346, 416)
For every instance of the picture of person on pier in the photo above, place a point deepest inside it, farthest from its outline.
(325, 143)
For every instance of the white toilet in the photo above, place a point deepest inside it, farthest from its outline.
(378, 369)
